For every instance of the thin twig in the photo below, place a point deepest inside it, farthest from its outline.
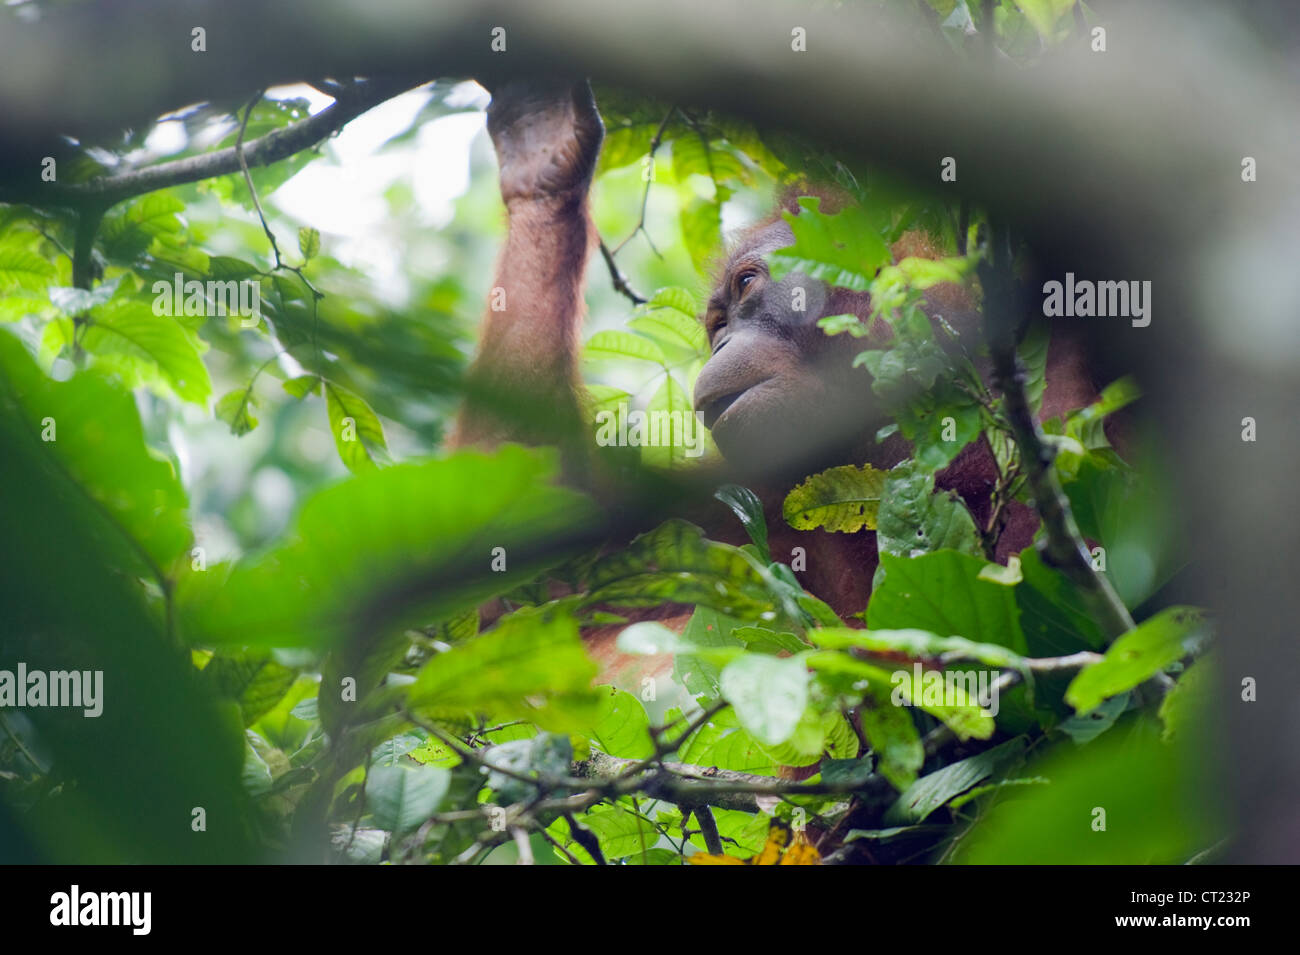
(655, 142)
(257, 203)
(621, 284)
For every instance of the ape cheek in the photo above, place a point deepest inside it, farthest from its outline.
(771, 420)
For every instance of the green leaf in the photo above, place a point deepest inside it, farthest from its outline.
(979, 791)
(1053, 613)
(606, 398)
(252, 678)
(622, 727)
(914, 520)
(1188, 707)
(624, 145)
(1137, 656)
(235, 408)
(1133, 517)
(153, 349)
(1085, 727)
(844, 250)
(400, 798)
(72, 301)
(670, 318)
(675, 563)
(1044, 14)
(763, 640)
(917, 644)
(303, 385)
(893, 738)
(745, 504)
(391, 751)
(22, 267)
(943, 593)
(620, 345)
(700, 673)
(844, 499)
(701, 222)
(1124, 775)
(355, 426)
(1085, 425)
(1033, 356)
(393, 548)
(308, 243)
(91, 432)
(769, 694)
(674, 404)
(677, 299)
(816, 734)
(621, 833)
(838, 324)
(723, 743)
(530, 661)
(930, 792)
(155, 213)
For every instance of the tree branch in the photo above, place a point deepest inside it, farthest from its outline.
(106, 191)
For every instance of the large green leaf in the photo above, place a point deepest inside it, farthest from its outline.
(768, 693)
(944, 594)
(619, 345)
(402, 797)
(152, 349)
(746, 505)
(1124, 799)
(893, 738)
(1053, 613)
(252, 678)
(931, 791)
(391, 548)
(91, 431)
(356, 428)
(532, 666)
(843, 249)
(128, 778)
(914, 520)
(675, 563)
(1137, 656)
(23, 268)
(722, 742)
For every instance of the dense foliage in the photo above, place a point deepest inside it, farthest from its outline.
(320, 684)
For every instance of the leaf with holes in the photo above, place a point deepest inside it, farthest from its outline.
(844, 499)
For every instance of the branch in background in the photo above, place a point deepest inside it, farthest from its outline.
(1062, 545)
(620, 281)
(699, 786)
(240, 154)
(708, 829)
(88, 220)
(106, 191)
(655, 143)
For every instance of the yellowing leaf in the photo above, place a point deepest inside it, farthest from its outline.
(841, 499)
(784, 847)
